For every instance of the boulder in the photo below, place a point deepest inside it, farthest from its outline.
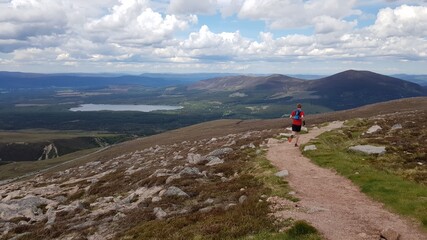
(190, 171)
(310, 148)
(242, 199)
(390, 234)
(159, 213)
(214, 161)
(373, 129)
(195, 159)
(396, 127)
(283, 173)
(174, 191)
(25, 207)
(220, 152)
(368, 149)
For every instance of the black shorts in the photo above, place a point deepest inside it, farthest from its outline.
(296, 128)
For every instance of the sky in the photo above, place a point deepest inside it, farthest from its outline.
(227, 36)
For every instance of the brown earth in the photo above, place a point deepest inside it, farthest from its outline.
(330, 202)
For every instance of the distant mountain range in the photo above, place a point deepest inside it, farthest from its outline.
(15, 80)
(340, 91)
(343, 90)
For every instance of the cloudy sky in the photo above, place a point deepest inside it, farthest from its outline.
(234, 36)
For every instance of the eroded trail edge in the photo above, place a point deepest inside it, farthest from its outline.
(330, 202)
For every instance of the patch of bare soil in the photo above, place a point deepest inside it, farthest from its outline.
(330, 202)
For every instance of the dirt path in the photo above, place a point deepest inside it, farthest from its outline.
(332, 203)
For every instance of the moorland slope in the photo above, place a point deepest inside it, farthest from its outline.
(162, 186)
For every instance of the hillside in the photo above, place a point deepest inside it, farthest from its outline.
(151, 187)
(235, 83)
(345, 90)
(352, 88)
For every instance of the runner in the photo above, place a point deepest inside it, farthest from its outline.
(297, 121)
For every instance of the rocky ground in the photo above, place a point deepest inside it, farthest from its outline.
(94, 201)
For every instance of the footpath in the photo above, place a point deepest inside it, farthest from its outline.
(332, 203)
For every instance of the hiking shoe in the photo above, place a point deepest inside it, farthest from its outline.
(290, 138)
(296, 145)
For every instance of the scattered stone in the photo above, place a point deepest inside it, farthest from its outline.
(373, 129)
(51, 217)
(174, 191)
(133, 197)
(390, 234)
(209, 201)
(368, 149)
(396, 127)
(206, 209)
(283, 173)
(190, 171)
(220, 152)
(195, 158)
(214, 161)
(159, 213)
(242, 199)
(119, 216)
(172, 178)
(310, 148)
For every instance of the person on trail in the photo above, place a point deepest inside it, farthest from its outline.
(297, 121)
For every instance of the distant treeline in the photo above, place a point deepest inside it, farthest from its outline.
(135, 123)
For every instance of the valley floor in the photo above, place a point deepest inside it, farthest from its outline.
(330, 202)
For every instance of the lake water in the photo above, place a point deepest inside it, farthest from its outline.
(115, 107)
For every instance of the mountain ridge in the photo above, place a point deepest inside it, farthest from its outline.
(344, 90)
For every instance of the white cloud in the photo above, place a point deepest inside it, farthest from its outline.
(23, 19)
(192, 6)
(134, 23)
(281, 14)
(152, 34)
(327, 24)
(402, 21)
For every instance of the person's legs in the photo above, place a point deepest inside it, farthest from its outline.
(296, 129)
(296, 138)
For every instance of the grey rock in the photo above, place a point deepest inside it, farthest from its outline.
(190, 171)
(396, 127)
(24, 207)
(373, 129)
(84, 225)
(283, 173)
(242, 199)
(119, 216)
(206, 209)
(220, 152)
(195, 158)
(390, 234)
(174, 191)
(209, 201)
(368, 149)
(310, 148)
(51, 216)
(133, 197)
(172, 178)
(214, 161)
(159, 213)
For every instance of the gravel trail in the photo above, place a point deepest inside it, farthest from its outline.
(330, 202)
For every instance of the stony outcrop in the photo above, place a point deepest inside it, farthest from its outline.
(49, 151)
